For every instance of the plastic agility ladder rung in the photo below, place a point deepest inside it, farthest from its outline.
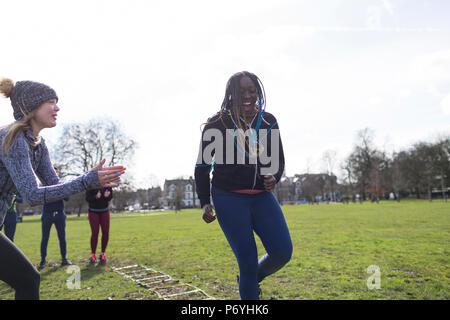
(161, 282)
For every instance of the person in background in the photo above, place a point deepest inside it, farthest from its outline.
(11, 219)
(99, 216)
(53, 213)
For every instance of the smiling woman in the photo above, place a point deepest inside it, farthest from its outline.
(45, 116)
(242, 192)
(23, 157)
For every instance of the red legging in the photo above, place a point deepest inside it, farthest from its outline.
(96, 220)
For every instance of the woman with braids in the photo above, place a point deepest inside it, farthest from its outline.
(24, 159)
(242, 146)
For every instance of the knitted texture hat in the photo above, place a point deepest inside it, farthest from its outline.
(26, 95)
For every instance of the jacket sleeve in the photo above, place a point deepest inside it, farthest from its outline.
(18, 164)
(201, 174)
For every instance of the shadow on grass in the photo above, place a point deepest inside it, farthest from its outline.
(89, 271)
(49, 269)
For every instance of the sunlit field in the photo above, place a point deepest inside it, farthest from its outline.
(407, 244)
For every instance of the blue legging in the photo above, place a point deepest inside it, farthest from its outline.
(241, 214)
(59, 219)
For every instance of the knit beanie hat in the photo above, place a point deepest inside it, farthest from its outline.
(26, 95)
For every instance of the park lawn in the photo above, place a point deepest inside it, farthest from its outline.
(334, 244)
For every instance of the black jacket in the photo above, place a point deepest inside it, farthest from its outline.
(98, 205)
(228, 172)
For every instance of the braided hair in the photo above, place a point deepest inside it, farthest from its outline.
(232, 100)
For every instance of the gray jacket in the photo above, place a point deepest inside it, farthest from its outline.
(24, 165)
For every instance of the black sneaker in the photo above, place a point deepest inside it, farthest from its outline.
(65, 262)
(42, 265)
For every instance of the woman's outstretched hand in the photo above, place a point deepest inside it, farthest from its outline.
(108, 176)
(208, 214)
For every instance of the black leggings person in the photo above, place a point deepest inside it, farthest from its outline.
(19, 273)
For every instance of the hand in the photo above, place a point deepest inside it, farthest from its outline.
(208, 214)
(98, 195)
(99, 167)
(108, 176)
(269, 183)
(107, 193)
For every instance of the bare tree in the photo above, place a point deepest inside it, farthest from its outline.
(379, 175)
(360, 161)
(83, 145)
(424, 166)
(442, 163)
(398, 179)
(329, 159)
(348, 177)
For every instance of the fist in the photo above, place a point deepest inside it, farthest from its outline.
(208, 214)
(269, 183)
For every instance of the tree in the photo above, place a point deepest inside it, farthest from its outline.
(425, 166)
(399, 182)
(361, 160)
(442, 163)
(379, 175)
(178, 199)
(329, 159)
(83, 145)
(348, 177)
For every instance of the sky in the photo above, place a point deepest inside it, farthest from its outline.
(159, 68)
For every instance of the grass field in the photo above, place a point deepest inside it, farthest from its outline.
(334, 245)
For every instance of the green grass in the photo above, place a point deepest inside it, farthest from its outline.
(333, 246)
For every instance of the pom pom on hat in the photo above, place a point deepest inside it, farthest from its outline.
(6, 87)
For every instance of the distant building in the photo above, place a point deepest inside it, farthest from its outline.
(181, 192)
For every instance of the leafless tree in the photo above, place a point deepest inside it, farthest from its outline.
(360, 161)
(329, 159)
(83, 145)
